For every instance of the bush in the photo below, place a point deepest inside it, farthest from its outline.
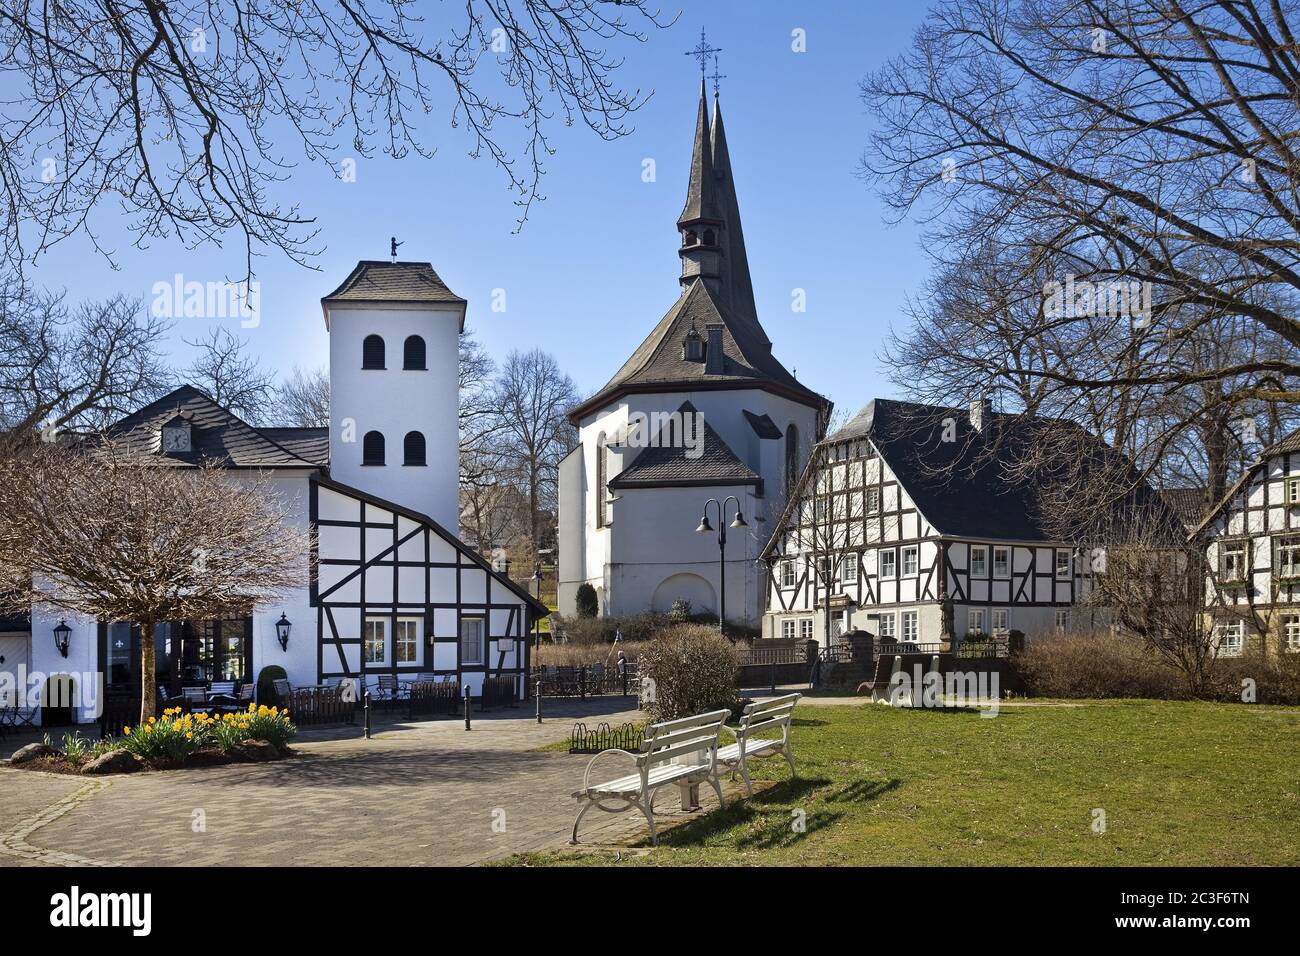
(1096, 665)
(584, 655)
(680, 612)
(587, 603)
(692, 670)
(1275, 680)
(177, 736)
(265, 685)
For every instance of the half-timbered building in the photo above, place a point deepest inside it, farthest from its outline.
(1252, 550)
(907, 525)
(391, 589)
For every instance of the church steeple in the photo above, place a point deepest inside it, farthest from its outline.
(712, 242)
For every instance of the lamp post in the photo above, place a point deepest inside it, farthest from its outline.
(704, 528)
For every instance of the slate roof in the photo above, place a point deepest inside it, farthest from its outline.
(669, 466)
(1187, 503)
(763, 425)
(217, 434)
(962, 486)
(378, 283)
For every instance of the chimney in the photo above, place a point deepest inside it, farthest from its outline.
(713, 354)
(981, 413)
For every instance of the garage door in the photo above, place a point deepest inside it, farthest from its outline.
(15, 649)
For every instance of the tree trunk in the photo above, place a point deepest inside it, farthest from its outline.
(148, 676)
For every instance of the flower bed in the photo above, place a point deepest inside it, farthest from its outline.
(175, 740)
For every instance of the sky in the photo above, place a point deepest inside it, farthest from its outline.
(595, 266)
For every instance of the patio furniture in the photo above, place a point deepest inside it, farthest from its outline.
(389, 688)
(221, 696)
(247, 690)
(194, 697)
(656, 767)
(13, 716)
(283, 690)
(765, 717)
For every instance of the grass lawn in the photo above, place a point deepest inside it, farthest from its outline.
(1180, 784)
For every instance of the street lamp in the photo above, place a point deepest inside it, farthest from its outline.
(282, 631)
(705, 528)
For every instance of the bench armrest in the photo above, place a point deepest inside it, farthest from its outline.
(586, 777)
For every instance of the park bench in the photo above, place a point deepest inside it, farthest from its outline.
(664, 742)
(763, 717)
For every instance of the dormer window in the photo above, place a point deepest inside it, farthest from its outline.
(176, 438)
(693, 347)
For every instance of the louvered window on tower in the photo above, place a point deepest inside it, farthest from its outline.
(372, 449)
(372, 352)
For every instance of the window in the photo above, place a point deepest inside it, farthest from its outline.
(911, 628)
(873, 500)
(979, 561)
(602, 479)
(1288, 556)
(1000, 616)
(819, 510)
(471, 640)
(372, 352)
(1063, 563)
(823, 568)
(787, 629)
(1291, 632)
(886, 627)
(1232, 562)
(911, 561)
(888, 563)
(406, 640)
(413, 353)
(787, 573)
(805, 628)
(375, 640)
(1232, 638)
(1062, 620)
(975, 621)
(1292, 491)
(372, 448)
(1001, 562)
(849, 569)
(791, 457)
(413, 449)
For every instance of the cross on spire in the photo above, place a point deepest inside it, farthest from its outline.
(702, 52)
(715, 76)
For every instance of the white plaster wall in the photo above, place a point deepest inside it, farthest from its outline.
(395, 401)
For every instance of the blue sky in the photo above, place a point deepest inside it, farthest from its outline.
(595, 267)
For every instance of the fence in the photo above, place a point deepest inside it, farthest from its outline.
(429, 698)
(587, 681)
(499, 691)
(319, 705)
(629, 737)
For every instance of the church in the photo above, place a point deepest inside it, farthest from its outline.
(701, 410)
(392, 589)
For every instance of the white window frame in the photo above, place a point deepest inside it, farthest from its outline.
(886, 626)
(910, 625)
(1227, 550)
(873, 501)
(1231, 638)
(1291, 491)
(805, 628)
(481, 623)
(415, 625)
(976, 621)
(1067, 568)
(368, 640)
(1002, 613)
(1291, 633)
(1006, 563)
(787, 573)
(787, 628)
(849, 568)
(915, 553)
(892, 555)
(1288, 556)
(979, 561)
(1062, 620)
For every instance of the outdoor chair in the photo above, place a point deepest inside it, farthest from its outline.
(247, 691)
(283, 690)
(388, 688)
(221, 695)
(194, 697)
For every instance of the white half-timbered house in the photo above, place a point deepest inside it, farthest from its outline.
(392, 589)
(1252, 542)
(905, 525)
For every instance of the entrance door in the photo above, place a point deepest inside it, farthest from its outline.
(207, 651)
(15, 657)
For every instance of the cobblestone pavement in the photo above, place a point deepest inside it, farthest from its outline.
(425, 793)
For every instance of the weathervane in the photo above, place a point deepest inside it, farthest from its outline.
(716, 76)
(703, 52)
(393, 243)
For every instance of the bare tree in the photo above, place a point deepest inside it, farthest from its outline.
(532, 395)
(303, 399)
(110, 535)
(231, 376)
(174, 109)
(68, 367)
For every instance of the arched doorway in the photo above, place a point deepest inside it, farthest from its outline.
(685, 587)
(58, 700)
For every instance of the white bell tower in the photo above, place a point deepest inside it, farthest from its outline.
(394, 380)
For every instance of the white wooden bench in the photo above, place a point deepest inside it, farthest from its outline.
(763, 717)
(655, 768)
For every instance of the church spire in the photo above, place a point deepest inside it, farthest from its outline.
(737, 290)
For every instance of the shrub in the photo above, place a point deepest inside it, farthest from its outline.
(680, 612)
(177, 736)
(601, 630)
(692, 669)
(587, 603)
(1274, 679)
(1096, 665)
(265, 687)
(580, 655)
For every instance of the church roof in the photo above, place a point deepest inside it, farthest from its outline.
(665, 462)
(217, 434)
(393, 283)
(658, 363)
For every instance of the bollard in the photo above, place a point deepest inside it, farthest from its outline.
(539, 702)
(467, 706)
(367, 711)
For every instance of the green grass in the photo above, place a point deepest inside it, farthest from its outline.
(1180, 784)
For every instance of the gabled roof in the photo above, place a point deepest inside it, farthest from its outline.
(665, 463)
(218, 435)
(392, 283)
(1187, 503)
(763, 425)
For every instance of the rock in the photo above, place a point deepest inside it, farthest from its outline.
(208, 757)
(32, 752)
(115, 761)
(256, 750)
